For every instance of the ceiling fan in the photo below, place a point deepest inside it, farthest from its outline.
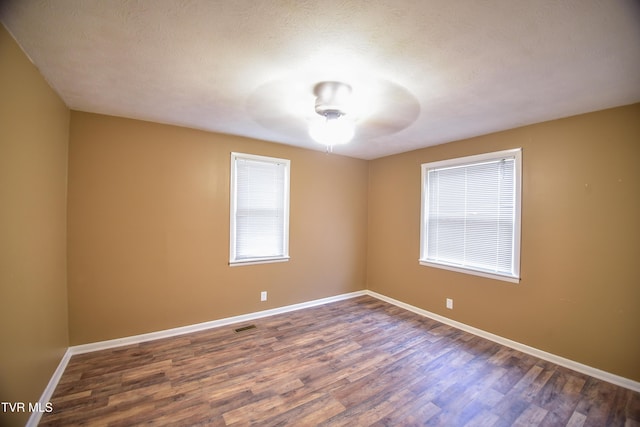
(332, 103)
(333, 112)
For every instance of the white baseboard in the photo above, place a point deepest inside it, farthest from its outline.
(119, 342)
(558, 360)
(34, 419)
(104, 345)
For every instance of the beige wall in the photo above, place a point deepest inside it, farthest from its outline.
(34, 129)
(149, 228)
(580, 291)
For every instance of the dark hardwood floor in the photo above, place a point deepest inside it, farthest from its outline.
(357, 362)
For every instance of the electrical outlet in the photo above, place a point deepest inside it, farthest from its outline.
(263, 296)
(450, 303)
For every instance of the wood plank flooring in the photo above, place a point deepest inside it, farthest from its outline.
(358, 362)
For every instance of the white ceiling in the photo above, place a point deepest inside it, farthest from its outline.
(425, 72)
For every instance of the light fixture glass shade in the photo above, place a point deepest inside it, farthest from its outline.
(332, 131)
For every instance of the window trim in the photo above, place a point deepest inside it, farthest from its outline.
(516, 154)
(232, 210)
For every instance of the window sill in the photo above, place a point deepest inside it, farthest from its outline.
(253, 261)
(495, 276)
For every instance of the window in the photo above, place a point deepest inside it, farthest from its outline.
(471, 215)
(259, 209)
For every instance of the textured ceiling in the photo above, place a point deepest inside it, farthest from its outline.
(424, 72)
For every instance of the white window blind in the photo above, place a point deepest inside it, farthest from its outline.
(259, 209)
(471, 214)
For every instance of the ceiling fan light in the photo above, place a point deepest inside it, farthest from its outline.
(332, 131)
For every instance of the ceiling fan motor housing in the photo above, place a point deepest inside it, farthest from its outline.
(332, 99)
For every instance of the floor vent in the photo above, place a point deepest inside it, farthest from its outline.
(245, 328)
